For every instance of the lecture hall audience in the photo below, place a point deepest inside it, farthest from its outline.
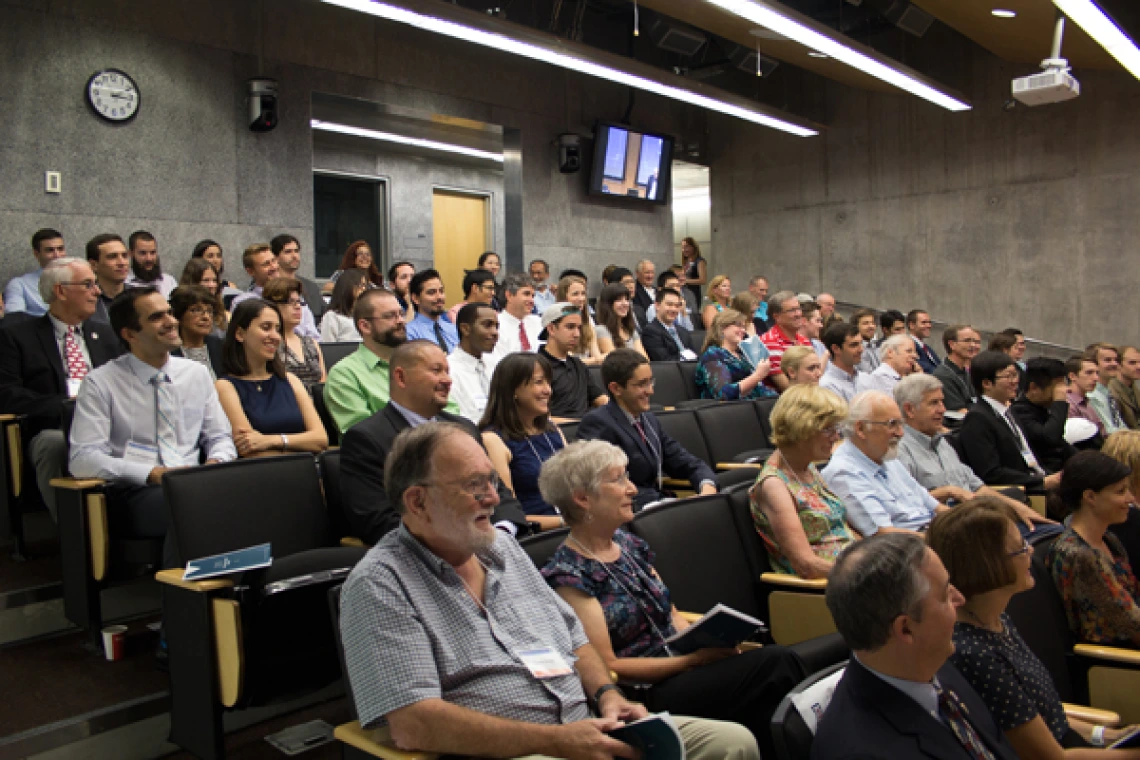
(445, 681)
(626, 422)
(962, 344)
(1088, 562)
(200, 272)
(1041, 411)
(212, 252)
(22, 293)
(616, 326)
(812, 327)
(864, 319)
(1123, 386)
(544, 294)
(717, 299)
(669, 279)
(746, 303)
(193, 306)
(645, 291)
(300, 354)
(801, 521)
(473, 363)
(758, 287)
(694, 267)
(724, 372)
(844, 347)
(146, 266)
(628, 622)
(107, 254)
(518, 433)
(287, 249)
(519, 328)
(989, 562)
(664, 338)
(270, 410)
(802, 366)
(431, 322)
(1083, 379)
(919, 325)
(1107, 359)
(479, 286)
(573, 391)
(399, 278)
(572, 290)
(358, 255)
(899, 697)
(897, 359)
(337, 325)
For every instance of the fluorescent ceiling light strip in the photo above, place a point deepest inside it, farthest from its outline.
(563, 60)
(1088, 16)
(764, 15)
(372, 134)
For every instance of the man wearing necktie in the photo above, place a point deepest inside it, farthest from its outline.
(663, 338)
(519, 328)
(431, 322)
(892, 602)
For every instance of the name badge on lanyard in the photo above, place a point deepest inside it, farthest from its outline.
(545, 663)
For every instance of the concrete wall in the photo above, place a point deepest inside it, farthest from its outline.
(187, 167)
(1000, 218)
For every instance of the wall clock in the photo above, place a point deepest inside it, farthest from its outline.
(113, 95)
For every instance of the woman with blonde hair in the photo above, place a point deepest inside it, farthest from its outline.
(802, 366)
(801, 521)
(746, 303)
(572, 289)
(717, 299)
(724, 372)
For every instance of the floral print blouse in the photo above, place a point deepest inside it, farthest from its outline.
(821, 513)
(719, 374)
(1100, 593)
(636, 604)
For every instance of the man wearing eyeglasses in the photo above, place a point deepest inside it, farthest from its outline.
(879, 493)
(962, 344)
(44, 361)
(995, 445)
(785, 308)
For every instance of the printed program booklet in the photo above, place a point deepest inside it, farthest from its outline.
(656, 736)
(721, 627)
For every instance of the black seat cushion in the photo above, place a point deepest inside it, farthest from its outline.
(541, 546)
(669, 388)
(730, 430)
(682, 427)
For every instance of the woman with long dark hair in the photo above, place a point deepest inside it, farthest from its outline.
(358, 255)
(617, 327)
(694, 265)
(212, 252)
(269, 409)
(337, 325)
(518, 433)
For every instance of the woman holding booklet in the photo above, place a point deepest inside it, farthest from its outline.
(607, 576)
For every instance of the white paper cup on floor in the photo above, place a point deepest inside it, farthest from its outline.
(114, 641)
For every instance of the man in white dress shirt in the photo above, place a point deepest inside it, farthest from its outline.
(519, 328)
(845, 347)
(474, 361)
(143, 414)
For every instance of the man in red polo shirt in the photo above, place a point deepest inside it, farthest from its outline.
(783, 307)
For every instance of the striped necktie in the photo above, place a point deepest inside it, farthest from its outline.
(165, 414)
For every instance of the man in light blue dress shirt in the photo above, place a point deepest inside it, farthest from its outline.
(875, 487)
(431, 322)
(23, 293)
(143, 414)
(544, 294)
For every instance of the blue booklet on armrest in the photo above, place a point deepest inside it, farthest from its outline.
(655, 736)
(720, 628)
(230, 562)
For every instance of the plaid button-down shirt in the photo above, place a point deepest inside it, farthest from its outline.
(412, 632)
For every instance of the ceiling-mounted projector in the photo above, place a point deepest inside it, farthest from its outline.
(1053, 85)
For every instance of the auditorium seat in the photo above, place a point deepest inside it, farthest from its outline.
(689, 375)
(333, 432)
(764, 408)
(790, 734)
(328, 463)
(669, 387)
(733, 435)
(541, 546)
(334, 352)
(569, 431)
(13, 488)
(261, 636)
(595, 374)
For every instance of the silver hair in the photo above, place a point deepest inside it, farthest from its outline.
(578, 467)
(873, 582)
(516, 281)
(861, 408)
(54, 273)
(913, 388)
(777, 300)
(640, 264)
(893, 343)
(409, 462)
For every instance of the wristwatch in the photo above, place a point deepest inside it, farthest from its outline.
(602, 690)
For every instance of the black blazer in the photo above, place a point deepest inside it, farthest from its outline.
(609, 423)
(214, 349)
(32, 379)
(1045, 431)
(363, 450)
(992, 450)
(868, 718)
(660, 345)
(641, 297)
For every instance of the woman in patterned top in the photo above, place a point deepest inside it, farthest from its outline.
(607, 576)
(802, 522)
(988, 562)
(300, 353)
(1088, 563)
(724, 373)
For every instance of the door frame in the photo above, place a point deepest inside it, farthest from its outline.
(385, 224)
(488, 213)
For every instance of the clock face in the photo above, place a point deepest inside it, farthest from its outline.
(113, 95)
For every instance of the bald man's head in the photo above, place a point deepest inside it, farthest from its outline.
(419, 378)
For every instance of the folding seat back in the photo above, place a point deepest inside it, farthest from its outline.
(669, 388)
(541, 546)
(790, 733)
(569, 431)
(732, 433)
(681, 425)
(698, 554)
(595, 374)
(764, 408)
(329, 465)
(333, 432)
(689, 375)
(334, 352)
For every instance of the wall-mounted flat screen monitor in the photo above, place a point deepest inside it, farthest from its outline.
(629, 164)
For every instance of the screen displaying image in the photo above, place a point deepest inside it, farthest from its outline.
(615, 154)
(631, 164)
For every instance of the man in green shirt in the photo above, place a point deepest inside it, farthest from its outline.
(357, 386)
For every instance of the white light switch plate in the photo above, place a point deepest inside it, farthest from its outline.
(53, 182)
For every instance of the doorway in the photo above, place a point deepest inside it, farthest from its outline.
(691, 207)
(347, 209)
(459, 233)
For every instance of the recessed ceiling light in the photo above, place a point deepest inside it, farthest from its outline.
(437, 18)
(815, 54)
(1004, 13)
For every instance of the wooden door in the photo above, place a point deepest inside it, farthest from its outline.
(459, 233)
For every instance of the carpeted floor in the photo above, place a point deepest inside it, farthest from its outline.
(42, 564)
(250, 744)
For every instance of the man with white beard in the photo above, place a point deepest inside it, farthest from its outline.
(865, 473)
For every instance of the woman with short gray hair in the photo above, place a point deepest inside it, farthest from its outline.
(607, 576)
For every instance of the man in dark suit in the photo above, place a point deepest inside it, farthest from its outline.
(1042, 410)
(663, 339)
(893, 604)
(995, 445)
(419, 388)
(43, 361)
(627, 423)
(919, 324)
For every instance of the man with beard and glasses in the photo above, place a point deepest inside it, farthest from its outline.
(865, 473)
(357, 386)
(146, 269)
(431, 322)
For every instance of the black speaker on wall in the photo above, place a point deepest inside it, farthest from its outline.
(262, 104)
(569, 153)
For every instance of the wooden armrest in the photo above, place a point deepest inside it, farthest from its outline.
(352, 541)
(690, 617)
(1113, 654)
(15, 448)
(673, 483)
(173, 577)
(77, 484)
(794, 581)
(228, 649)
(1019, 488)
(98, 535)
(11, 417)
(377, 742)
(739, 466)
(1092, 715)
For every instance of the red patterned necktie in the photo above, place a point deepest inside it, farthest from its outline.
(76, 364)
(523, 340)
